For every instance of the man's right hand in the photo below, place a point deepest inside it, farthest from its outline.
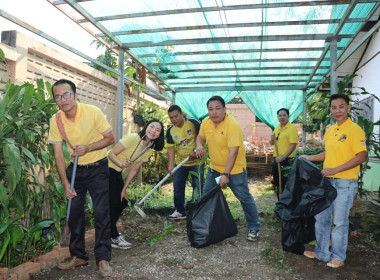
(70, 194)
(200, 151)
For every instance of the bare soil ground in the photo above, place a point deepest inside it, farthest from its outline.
(162, 251)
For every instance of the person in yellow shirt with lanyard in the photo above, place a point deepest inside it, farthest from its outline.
(227, 159)
(131, 151)
(87, 129)
(285, 139)
(345, 150)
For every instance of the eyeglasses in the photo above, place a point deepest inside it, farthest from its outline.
(65, 95)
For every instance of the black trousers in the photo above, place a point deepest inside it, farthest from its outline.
(95, 180)
(116, 185)
(276, 177)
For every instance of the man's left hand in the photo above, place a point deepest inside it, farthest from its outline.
(224, 180)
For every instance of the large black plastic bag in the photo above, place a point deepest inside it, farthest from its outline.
(209, 219)
(306, 194)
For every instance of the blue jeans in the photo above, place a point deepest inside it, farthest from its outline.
(337, 213)
(239, 186)
(179, 182)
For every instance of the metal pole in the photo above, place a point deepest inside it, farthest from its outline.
(304, 112)
(120, 97)
(333, 71)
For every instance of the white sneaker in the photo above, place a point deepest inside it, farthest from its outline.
(176, 216)
(121, 243)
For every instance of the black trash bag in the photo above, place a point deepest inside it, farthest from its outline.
(296, 233)
(209, 219)
(306, 194)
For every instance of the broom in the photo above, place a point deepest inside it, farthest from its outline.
(65, 234)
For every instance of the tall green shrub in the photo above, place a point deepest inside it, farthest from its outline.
(25, 112)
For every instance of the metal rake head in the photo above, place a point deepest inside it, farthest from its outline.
(139, 210)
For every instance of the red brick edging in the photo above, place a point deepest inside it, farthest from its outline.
(49, 260)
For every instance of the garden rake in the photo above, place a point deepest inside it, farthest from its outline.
(137, 205)
(65, 234)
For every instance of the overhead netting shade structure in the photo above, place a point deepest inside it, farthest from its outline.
(269, 52)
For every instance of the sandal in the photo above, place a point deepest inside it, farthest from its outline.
(335, 263)
(310, 255)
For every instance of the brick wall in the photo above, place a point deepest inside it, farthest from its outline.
(29, 60)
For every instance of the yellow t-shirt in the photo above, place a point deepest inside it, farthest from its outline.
(227, 134)
(342, 143)
(184, 140)
(89, 126)
(130, 142)
(284, 137)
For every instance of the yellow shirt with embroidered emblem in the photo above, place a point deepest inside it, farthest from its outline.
(89, 125)
(342, 143)
(227, 134)
(284, 137)
(132, 145)
(184, 140)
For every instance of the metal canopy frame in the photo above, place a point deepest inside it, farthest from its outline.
(184, 62)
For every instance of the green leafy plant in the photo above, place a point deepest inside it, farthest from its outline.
(25, 111)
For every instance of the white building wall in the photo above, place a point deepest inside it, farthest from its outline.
(369, 73)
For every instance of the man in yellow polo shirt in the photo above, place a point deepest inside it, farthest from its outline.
(89, 133)
(286, 137)
(345, 150)
(227, 159)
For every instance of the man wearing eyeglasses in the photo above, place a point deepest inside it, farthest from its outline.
(89, 133)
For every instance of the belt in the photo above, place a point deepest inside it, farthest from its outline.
(94, 164)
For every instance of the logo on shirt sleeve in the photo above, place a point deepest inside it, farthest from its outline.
(189, 132)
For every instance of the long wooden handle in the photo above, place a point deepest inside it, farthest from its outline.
(279, 168)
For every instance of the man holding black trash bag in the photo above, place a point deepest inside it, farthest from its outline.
(227, 155)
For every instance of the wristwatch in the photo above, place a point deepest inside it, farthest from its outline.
(194, 150)
(227, 174)
(283, 158)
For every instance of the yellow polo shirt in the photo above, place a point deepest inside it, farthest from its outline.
(342, 143)
(130, 142)
(227, 134)
(184, 140)
(286, 136)
(89, 126)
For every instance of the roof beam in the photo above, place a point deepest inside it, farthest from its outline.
(240, 76)
(238, 61)
(224, 8)
(248, 68)
(346, 15)
(237, 51)
(215, 40)
(234, 25)
(257, 81)
(237, 88)
(85, 14)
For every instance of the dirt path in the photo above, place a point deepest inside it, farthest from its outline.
(170, 256)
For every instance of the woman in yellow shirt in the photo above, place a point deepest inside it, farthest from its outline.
(131, 151)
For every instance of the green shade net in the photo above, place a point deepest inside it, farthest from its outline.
(265, 104)
(195, 104)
